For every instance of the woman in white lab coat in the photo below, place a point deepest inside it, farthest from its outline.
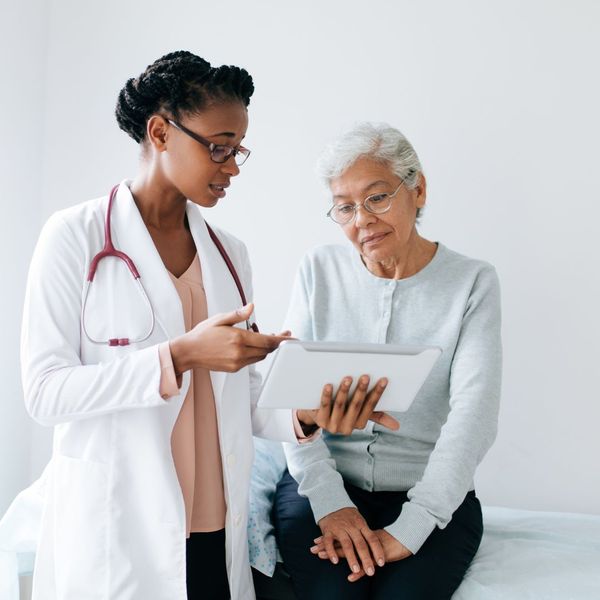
(114, 520)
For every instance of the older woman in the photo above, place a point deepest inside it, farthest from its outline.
(398, 507)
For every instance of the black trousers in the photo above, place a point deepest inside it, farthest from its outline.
(433, 573)
(206, 566)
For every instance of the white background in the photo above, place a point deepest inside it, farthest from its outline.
(500, 100)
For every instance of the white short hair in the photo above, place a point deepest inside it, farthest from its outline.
(377, 141)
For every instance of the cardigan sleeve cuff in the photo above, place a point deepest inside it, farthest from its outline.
(329, 499)
(412, 527)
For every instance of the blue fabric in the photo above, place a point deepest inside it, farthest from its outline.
(269, 466)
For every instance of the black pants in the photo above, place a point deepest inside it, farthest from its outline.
(433, 573)
(206, 567)
(278, 587)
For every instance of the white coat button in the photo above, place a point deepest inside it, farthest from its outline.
(231, 460)
(237, 520)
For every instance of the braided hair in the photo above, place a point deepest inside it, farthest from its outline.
(179, 82)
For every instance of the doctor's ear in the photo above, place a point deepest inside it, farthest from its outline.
(156, 132)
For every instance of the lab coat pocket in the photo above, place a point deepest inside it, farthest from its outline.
(81, 523)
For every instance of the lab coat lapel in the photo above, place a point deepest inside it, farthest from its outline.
(221, 292)
(131, 236)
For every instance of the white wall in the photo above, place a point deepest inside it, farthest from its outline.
(499, 98)
(21, 114)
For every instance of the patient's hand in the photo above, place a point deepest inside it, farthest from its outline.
(343, 415)
(393, 550)
(346, 534)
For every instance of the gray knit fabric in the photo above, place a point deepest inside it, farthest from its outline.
(454, 303)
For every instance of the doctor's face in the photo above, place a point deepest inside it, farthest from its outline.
(187, 162)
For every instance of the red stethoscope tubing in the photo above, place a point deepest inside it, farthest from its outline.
(110, 250)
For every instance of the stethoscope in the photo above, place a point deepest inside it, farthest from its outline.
(110, 250)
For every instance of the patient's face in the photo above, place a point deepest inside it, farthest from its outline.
(378, 237)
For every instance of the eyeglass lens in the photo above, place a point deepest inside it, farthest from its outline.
(376, 204)
(222, 153)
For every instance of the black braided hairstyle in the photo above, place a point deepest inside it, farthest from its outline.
(178, 83)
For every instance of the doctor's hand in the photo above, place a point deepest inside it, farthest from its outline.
(216, 345)
(342, 414)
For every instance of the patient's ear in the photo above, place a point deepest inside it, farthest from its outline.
(420, 191)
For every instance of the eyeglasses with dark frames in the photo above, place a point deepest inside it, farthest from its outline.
(377, 204)
(219, 153)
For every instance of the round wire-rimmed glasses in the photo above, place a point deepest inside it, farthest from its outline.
(377, 204)
(219, 153)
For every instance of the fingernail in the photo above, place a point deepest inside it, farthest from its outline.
(384, 383)
(335, 560)
(348, 381)
(370, 571)
(355, 568)
(381, 562)
(317, 540)
(314, 548)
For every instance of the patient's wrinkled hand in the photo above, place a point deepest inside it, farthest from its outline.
(347, 529)
(393, 550)
(342, 414)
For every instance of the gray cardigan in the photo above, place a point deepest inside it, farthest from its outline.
(454, 303)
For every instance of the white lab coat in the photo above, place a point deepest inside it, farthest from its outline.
(113, 524)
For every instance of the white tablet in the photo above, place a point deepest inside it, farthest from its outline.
(300, 370)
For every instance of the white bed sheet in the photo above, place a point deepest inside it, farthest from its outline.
(535, 555)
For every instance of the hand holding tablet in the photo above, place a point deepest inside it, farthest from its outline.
(344, 412)
(300, 371)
